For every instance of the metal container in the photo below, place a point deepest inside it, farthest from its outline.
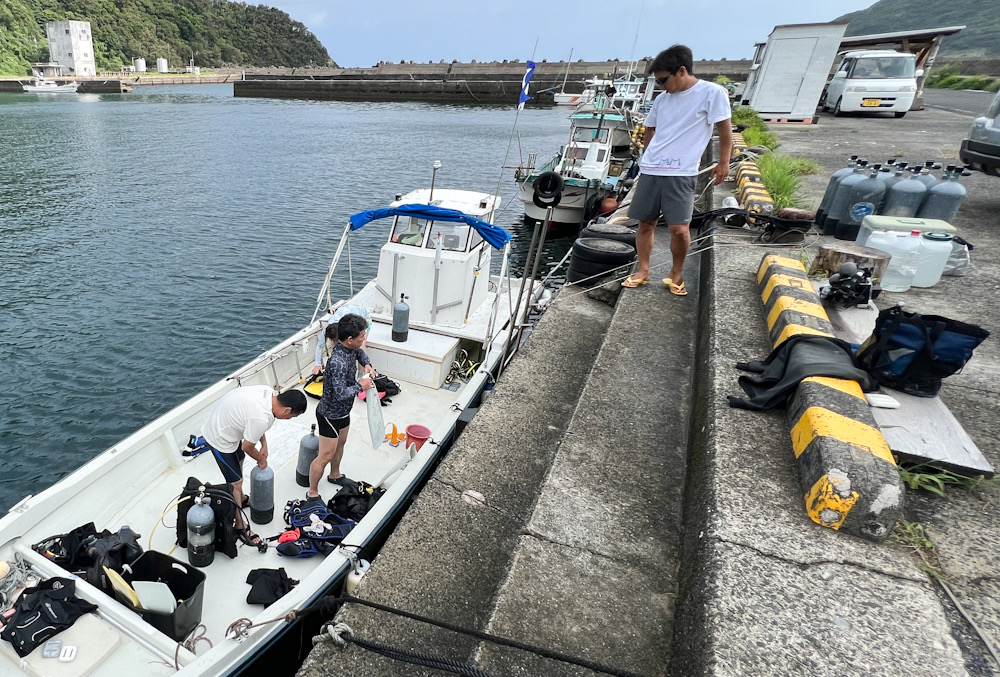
(944, 198)
(838, 205)
(831, 189)
(862, 200)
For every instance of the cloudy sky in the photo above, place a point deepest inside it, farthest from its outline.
(366, 32)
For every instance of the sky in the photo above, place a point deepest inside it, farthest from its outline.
(365, 33)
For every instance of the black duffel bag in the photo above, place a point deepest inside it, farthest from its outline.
(912, 353)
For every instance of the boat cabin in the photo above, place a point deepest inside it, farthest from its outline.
(436, 264)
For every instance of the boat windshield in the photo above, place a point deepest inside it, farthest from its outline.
(409, 231)
(586, 134)
(454, 236)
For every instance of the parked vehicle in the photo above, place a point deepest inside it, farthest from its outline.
(982, 149)
(873, 80)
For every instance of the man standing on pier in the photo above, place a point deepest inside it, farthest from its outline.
(678, 129)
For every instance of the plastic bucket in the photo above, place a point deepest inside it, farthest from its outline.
(417, 434)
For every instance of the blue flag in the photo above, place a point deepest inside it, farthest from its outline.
(524, 85)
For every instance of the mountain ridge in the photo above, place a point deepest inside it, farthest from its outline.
(981, 18)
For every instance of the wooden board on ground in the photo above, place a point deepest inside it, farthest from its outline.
(923, 429)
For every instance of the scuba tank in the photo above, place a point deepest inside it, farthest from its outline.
(905, 197)
(400, 320)
(308, 449)
(201, 531)
(925, 177)
(862, 199)
(831, 189)
(945, 197)
(261, 495)
(838, 204)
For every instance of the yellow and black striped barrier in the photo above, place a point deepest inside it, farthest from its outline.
(848, 474)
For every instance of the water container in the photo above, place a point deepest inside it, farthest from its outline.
(831, 189)
(838, 204)
(400, 320)
(901, 225)
(201, 532)
(905, 252)
(904, 198)
(935, 248)
(944, 198)
(863, 198)
(308, 449)
(261, 495)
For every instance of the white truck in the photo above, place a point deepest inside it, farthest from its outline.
(874, 81)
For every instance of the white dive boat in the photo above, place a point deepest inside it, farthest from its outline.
(440, 241)
(599, 155)
(42, 85)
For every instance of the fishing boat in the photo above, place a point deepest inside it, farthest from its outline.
(42, 86)
(437, 256)
(597, 158)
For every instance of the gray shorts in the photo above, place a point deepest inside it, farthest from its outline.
(672, 196)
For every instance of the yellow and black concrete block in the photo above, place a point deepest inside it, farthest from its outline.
(848, 475)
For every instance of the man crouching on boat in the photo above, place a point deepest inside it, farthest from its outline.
(340, 387)
(235, 426)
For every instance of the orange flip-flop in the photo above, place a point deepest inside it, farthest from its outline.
(675, 289)
(632, 282)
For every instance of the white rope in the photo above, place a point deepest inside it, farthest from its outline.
(332, 632)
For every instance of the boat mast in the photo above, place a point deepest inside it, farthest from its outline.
(562, 90)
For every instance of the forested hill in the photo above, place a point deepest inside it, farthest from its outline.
(981, 18)
(214, 32)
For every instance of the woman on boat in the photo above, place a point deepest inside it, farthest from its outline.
(340, 387)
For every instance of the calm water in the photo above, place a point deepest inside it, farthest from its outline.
(151, 243)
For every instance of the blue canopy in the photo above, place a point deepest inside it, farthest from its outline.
(495, 235)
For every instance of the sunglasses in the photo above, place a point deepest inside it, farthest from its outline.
(662, 80)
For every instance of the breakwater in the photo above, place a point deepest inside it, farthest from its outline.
(497, 82)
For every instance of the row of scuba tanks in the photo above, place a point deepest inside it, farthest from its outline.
(858, 190)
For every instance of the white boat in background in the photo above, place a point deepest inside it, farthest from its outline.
(438, 254)
(593, 164)
(41, 85)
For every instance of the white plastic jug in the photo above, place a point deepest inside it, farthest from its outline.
(935, 248)
(905, 252)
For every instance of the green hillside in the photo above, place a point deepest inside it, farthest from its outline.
(981, 18)
(214, 32)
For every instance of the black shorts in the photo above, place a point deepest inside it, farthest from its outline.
(331, 428)
(230, 463)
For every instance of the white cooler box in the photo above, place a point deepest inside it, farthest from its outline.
(424, 358)
(903, 224)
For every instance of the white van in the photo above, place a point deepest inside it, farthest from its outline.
(873, 80)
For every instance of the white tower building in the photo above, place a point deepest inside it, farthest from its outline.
(71, 44)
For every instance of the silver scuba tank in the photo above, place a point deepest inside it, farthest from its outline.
(261, 495)
(944, 198)
(864, 197)
(838, 204)
(905, 197)
(831, 189)
(400, 320)
(201, 531)
(308, 449)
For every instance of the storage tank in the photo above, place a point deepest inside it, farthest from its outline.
(140, 65)
(161, 65)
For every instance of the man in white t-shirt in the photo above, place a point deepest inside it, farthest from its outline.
(678, 128)
(234, 427)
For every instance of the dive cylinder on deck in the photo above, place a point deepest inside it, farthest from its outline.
(308, 449)
(201, 531)
(261, 495)
(831, 189)
(400, 320)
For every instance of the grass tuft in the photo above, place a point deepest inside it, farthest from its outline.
(935, 480)
(782, 176)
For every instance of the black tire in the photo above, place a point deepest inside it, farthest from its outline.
(591, 207)
(610, 231)
(898, 114)
(548, 185)
(836, 108)
(587, 268)
(599, 250)
(544, 203)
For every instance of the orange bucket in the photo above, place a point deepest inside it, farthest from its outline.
(417, 434)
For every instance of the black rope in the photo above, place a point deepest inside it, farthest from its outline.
(416, 658)
(328, 605)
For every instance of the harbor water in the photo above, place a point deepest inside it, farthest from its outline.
(153, 242)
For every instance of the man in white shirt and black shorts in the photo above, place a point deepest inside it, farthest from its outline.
(678, 129)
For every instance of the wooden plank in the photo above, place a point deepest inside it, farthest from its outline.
(923, 429)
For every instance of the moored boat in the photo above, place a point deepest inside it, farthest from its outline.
(41, 86)
(438, 254)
